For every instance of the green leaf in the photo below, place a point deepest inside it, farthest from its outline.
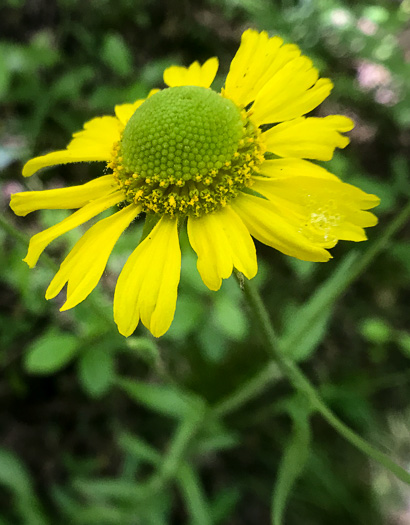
(99, 488)
(69, 85)
(222, 441)
(139, 449)
(403, 340)
(116, 55)
(292, 464)
(15, 476)
(50, 352)
(313, 337)
(194, 496)
(96, 368)
(166, 400)
(376, 330)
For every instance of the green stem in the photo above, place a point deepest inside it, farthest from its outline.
(195, 499)
(248, 390)
(177, 452)
(302, 384)
(357, 265)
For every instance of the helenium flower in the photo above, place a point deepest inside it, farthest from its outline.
(230, 165)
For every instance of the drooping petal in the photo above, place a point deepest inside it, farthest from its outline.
(41, 240)
(291, 93)
(124, 112)
(222, 242)
(285, 168)
(309, 138)
(62, 198)
(86, 262)
(194, 75)
(147, 286)
(266, 224)
(94, 143)
(256, 61)
(326, 210)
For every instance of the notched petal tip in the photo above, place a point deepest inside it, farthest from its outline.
(147, 285)
(29, 262)
(17, 204)
(194, 75)
(157, 331)
(308, 137)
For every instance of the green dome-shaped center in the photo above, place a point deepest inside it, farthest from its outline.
(180, 133)
(186, 151)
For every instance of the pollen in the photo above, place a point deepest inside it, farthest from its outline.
(186, 151)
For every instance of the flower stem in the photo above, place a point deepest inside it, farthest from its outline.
(352, 267)
(302, 384)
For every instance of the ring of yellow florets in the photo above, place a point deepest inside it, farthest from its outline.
(186, 151)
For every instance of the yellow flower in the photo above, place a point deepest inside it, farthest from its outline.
(231, 165)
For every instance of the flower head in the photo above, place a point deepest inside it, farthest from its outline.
(231, 165)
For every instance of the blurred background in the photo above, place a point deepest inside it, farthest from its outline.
(97, 429)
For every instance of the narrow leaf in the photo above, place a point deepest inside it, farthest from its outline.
(292, 464)
(311, 319)
(139, 448)
(191, 488)
(166, 400)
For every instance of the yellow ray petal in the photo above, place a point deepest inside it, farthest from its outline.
(256, 61)
(62, 198)
(147, 286)
(94, 143)
(64, 157)
(194, 75)
(221, 242)
(326, 210)
(266, 224)
(309, 138)
(41, 240)
(124, 112)
(291, 93)
(85, 264)
(285, 168)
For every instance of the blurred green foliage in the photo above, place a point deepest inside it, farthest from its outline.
(101, 430)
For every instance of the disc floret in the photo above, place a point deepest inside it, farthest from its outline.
(186, 151)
